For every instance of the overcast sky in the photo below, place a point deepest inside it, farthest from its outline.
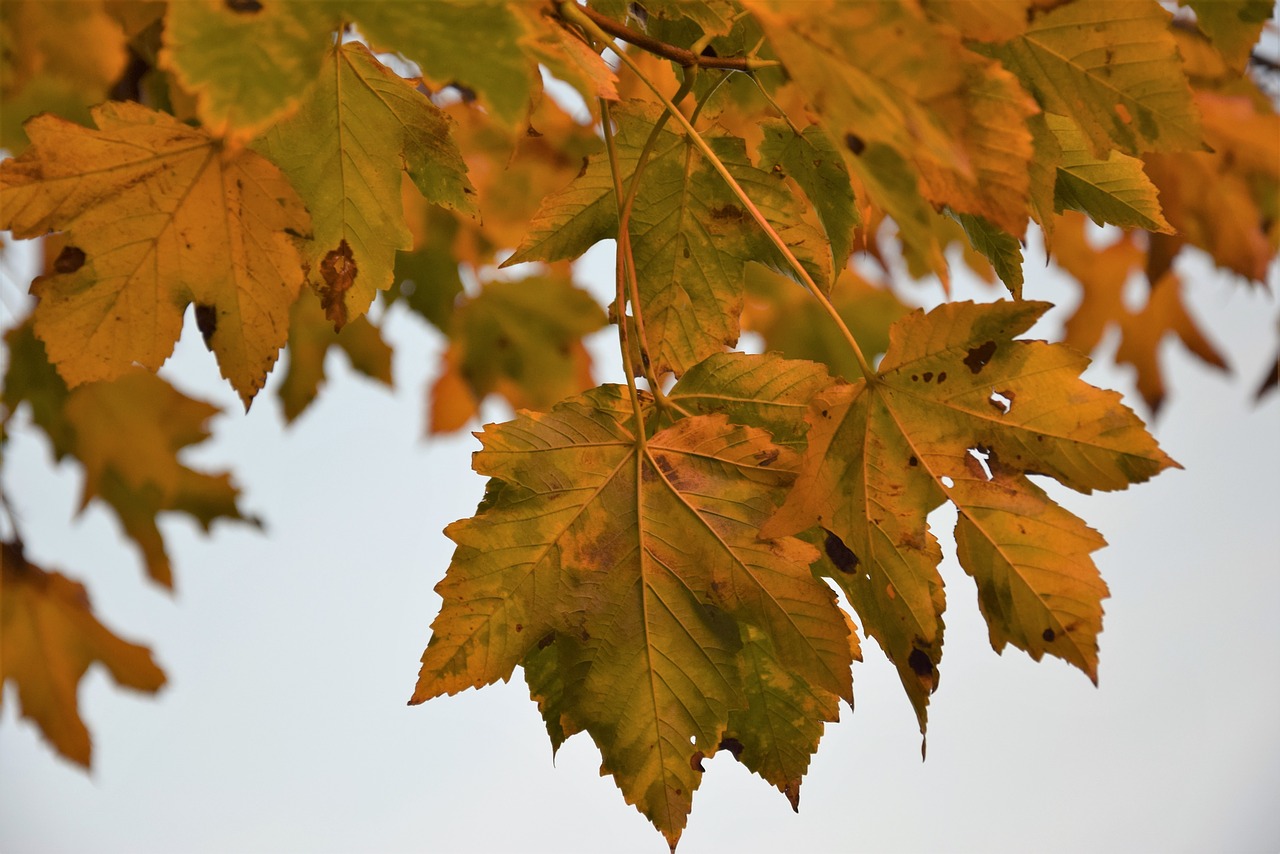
(291, 654)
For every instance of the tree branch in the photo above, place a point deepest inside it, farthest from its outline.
(679, 55)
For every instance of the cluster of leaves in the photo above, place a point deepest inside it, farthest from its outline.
(660, 558)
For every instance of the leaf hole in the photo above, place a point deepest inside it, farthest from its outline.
(982, 455)
(1001, 400)
(948, 482)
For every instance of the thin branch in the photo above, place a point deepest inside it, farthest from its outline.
(679, 55)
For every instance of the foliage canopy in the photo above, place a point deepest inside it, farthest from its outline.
(660, 558)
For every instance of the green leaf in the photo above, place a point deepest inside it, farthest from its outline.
(573, 537)
(344, 151)
(1113, 67)
(813, 162)
(1115, 190)
(1233, 26)
(473, 43)
(247, 67)
(1000, 248)
(690, 236)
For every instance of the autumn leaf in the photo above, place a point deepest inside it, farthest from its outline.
(50, 638)
(344, 151)
(1112, 67)
(960, 411)
(158, 215)
(310, 339)
(572, 542)
(127, 434)
(1104, 274)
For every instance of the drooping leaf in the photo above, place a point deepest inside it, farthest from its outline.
(50, 638)
(813, 162)
(955, 391)
(344, 151)
(1000, 248)
(158, 215)
(573, 539)
(310, 338)
(1113, 68)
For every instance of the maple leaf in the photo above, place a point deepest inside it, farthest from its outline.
(960, 411)
(344, 151)
(1111, 66)
(126, 433)
(1103, 274)
(158, 215)
(572, 542)
(50, 637)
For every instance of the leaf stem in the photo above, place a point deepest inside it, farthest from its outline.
(572, 12)
(680, 56)
(620, 276)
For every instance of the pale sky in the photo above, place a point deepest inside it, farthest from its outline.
(291, 655)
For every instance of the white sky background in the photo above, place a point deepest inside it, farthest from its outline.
(291, 654)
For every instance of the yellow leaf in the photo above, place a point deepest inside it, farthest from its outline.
(158, 215)
(50, 638)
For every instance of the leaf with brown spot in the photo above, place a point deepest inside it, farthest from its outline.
(345, 149)
(165, 215)
(1030, 557)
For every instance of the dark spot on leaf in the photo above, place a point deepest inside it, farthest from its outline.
(766, 458)
(824, 414)
(942, 377)
(979, 356)
(854, 143)
(915, 378)
(292, 233)
(732, 745)
(920, 663)
(686, 251)
(1048, 636)
(729, 212)
(928, 376)
(583, 170)
(339, 272)
(244, 7)
(532, 132)
(519, 627)
(695, 761)
(207, 322)
(913, 461)
(841, 555)
(70, 259)
(547, 641)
